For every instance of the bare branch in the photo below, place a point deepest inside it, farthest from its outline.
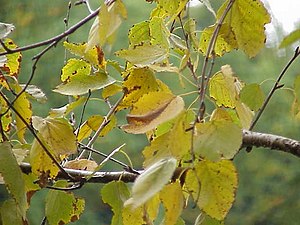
(271, 141)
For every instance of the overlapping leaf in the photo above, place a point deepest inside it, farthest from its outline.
(6, 119)
(75, 67)
(252, 96)
(151, 181)
(242, 16)
(217, 183)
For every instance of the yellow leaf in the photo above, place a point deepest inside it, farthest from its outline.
(75, 67)
(6, 119)
(111, 90)
(151, 110)
(217, 139)
(244, 114)
(23, 107)
(217, 183)
(173, 201)
(133, 216)
(242, 17)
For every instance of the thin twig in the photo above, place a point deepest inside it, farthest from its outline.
(210, 49)
(274, 88)
(102, 126)
(54, 40)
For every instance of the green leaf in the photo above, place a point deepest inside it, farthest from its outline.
(81, 84)
(144, 54)
(159, 32)
(173, 201)
(75, 67)
(139, 33)
(204, 219)
(217, 139)
(115, 194)
(63, 207)
(151, 181)
(10, 214)
(218, 186)
(290, 39)
(12, 176)
(242, 17)
(252, 96)
(68, 108)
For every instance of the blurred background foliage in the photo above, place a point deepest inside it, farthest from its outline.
(268, 180)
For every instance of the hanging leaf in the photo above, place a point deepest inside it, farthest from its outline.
(252, 96)
(6, 119)
(173, 201)
(144, 54)
(159, 32)
(111, 90)
(23, 107)
(151, 110)
(139, 33)
(218, 183)
(243, 15)
(290, 39)
(82, 84)
(62, 207)
(106, 23)
(133, 216)
(244, 114)
(151, 181)
(13, 179)
(115, 194)
(217, 139)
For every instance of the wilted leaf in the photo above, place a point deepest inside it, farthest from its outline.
(63, 207)
(216, 140)
(173, 201)
(218, 185)
(6, 29)
(151, 110)
(290, 39)
(13, 61)
(252, 96)
(35, 92)
(12, 176)
(81, 164)
(144, 54)
(243, 15)
(115, 194)
(151, 181)
(244, 114)
(81, 84)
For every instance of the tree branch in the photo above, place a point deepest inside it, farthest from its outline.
(250, 138)
(271, 141)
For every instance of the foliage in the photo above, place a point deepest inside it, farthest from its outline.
(190, 148)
